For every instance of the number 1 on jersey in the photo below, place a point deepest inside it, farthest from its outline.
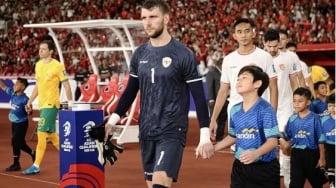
(152, 74)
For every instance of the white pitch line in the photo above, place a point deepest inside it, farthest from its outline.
(30, 179)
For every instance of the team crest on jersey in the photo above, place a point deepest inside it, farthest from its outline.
(282, 67)
(166, 61)
(325, 74)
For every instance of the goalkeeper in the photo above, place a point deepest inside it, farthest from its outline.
(165, 72)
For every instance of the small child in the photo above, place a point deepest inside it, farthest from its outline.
(254, 129)
(19, 119)
(304, 135)
(319, 104)
(329, 129)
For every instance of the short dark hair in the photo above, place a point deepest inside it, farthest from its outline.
(331, 98)
(291, 44)
(49, 43)
(258, 74)
(161, 4)
(271, 35)
(302, 91)
(317, 84)
(283, 31)
(243, 20)
(23, 81)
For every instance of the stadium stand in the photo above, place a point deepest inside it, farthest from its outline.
(308, 22)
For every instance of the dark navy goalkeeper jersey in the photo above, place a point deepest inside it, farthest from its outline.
(163, 74)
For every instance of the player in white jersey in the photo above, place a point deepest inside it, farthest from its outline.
(246, 54)
(291, 46)
(285, 66)
(282, 46)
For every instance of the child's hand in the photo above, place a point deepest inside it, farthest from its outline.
(285, 147)
(321, 163)
(29, 108)
(248, 157)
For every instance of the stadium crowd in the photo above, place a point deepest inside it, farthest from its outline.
(204, 25)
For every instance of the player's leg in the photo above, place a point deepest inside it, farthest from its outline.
(50, 125)
(161, 161)
(221, 121)
(330, 161)
(297, 172)
(263, 174)
(147, 148)
(41, 147)
(238, 175)
(46, 116)
(22, 130)
(284, 158)
(315, 175)
(54, 138)
(15, 149)
(168, 160)
(286, 169)
(40, 150)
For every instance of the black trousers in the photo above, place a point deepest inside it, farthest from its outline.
(18, 141)
(255, 175)
(303, 166)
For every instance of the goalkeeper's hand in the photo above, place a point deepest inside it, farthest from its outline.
(205, 148)
(106, 150)
(109, 152)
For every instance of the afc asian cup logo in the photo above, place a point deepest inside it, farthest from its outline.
(87, 127)
(166, 61)
(66, 128)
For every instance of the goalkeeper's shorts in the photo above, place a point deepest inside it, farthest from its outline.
(161, 155)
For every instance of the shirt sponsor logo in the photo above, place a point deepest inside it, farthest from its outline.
(166, 61)
(143, 62)
(247, 133)
(331, 133)
(302, 134)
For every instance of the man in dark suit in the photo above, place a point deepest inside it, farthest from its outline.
(213, 84)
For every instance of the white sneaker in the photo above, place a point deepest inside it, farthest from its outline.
(332, 185)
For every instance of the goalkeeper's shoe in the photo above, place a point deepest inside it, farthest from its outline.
(32, 170)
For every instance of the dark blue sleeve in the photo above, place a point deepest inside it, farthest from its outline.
(197, 92)
(128, 96)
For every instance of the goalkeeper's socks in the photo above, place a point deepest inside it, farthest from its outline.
(159, 186)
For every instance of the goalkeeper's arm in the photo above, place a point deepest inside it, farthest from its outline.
(205, 147)
(124, 103)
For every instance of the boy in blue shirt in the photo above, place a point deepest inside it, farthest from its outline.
(254, 129)
(19, 119)
(329, 129)
(303, 133)
(319, 104)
